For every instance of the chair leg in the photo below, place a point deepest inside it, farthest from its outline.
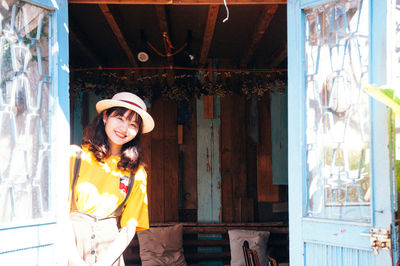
(256, 261)
(245, 248)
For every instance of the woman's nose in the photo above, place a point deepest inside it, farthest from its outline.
(124, 126)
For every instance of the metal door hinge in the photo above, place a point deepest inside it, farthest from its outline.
(379, 239)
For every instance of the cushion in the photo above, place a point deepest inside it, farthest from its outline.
(161, 246)
(258, 241)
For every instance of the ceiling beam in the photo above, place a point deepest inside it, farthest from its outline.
(208, 33)
(163, 23)
(267, 14)
(162, 18)
(179, 2)
(115, 28)
(164, 28)
(279, 55)
(87, 51)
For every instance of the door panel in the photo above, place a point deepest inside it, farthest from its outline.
(337, 112)
(338, 137)
(24, 118)
(336, 255)
(33, 85)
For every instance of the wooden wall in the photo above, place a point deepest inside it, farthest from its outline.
(247, 191)
(161, 147)
(237, 205)
(245, 162)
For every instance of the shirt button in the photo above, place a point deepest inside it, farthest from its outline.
(93, 236)
(92, 252)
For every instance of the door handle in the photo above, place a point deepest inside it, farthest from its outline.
(379, 239)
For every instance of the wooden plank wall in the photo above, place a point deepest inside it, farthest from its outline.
(235, 200)
(245, 164)
(267, 191)
(279, 138)
(208, 160)
(171, 199)
(188, 152)
(163, 164)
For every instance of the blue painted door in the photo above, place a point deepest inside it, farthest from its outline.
(341, 189)
(34, 130)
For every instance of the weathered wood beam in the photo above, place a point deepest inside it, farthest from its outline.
(115, 28)
(164, 28)
(262, 25)
(162, 18)
(163, 22)
(208, 33)
(279, 55)
(179, 2)
(87, 51)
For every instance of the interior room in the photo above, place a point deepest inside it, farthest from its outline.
(214, 78)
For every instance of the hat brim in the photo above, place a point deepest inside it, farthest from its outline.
(148, 122)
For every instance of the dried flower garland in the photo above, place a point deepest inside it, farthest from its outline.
(185, 86)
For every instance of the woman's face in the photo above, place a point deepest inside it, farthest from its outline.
(120, 129)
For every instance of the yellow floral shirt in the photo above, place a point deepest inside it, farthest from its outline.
(101, 188)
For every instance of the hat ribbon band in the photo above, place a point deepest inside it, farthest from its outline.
(132, 103)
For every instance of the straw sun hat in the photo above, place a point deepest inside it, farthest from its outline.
(129, 101)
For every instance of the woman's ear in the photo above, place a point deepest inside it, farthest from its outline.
(104, 118)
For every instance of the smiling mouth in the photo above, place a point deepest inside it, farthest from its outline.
(120, 135)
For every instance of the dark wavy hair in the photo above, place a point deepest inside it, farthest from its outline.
(94, 135)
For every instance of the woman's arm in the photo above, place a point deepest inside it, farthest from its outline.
(118, 246)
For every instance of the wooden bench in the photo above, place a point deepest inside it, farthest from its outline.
(216, 246)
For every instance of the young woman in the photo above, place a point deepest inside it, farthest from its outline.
(108, 183)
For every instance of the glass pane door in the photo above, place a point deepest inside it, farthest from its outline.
(337, 111)
(24, 112)
(340, 182)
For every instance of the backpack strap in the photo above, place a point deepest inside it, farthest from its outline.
(118, 210)
(77, 166)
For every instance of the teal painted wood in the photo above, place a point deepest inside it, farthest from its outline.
(279, 131)
(93, 99)
(60, 129)
(78, 113)
(77, 124)
(335, 233)
(322, 241)
(312, 3)
(48, 4)
(208, 165)
(383, 184)
(296, 129)
(394, 74)
(325, 255)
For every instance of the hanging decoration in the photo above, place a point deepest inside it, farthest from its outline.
(186, 86)
(169, 48)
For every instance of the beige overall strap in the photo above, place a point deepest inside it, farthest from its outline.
(77, 166)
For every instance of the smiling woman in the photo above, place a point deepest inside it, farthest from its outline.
(107, 182)
(121, 126)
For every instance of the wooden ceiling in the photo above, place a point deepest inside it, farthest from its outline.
(178, 33)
